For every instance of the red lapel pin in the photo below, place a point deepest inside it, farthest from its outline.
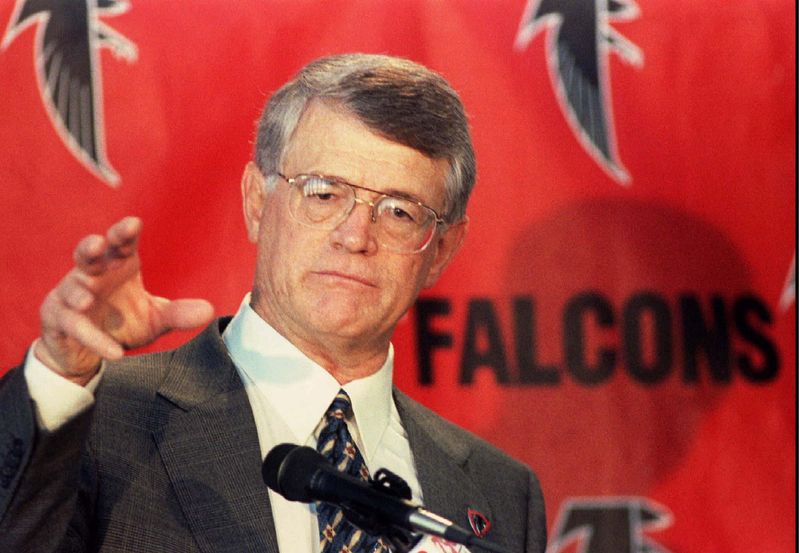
(479, 523)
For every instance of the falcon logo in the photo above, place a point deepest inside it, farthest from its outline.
(579, 41)
(68, 40)
(609, 525)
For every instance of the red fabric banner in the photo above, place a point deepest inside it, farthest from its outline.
(622, 315)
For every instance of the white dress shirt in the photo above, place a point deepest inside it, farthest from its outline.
(56, 400)
(288, 394)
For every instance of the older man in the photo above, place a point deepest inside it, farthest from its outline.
(356, 200)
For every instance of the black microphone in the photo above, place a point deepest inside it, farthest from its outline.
(300, 473)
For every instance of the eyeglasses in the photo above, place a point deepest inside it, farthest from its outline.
(403, 225)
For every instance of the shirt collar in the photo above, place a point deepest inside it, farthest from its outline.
(299, 389)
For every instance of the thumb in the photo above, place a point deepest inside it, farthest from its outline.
(186, 314)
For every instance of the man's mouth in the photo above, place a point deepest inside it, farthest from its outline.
(346, 277)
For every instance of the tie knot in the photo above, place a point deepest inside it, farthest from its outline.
(340, 406)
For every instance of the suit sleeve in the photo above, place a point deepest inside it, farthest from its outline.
(41, 479)
(536, 541)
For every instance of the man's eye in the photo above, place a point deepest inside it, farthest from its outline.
(320, 189)
(400, 210)
(400, 213)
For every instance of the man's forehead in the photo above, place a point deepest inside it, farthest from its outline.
(323, 120)
(330, 139)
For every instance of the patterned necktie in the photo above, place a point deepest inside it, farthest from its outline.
(337, 534)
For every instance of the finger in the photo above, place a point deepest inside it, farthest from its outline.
(60, 322)
(77, 290)
(48, 312)
(69, 295)
(90, 254)
(74, 295)
(80, 328)
(123, 237)
(185, 314)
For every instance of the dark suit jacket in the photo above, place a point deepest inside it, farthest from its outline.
(168, 460)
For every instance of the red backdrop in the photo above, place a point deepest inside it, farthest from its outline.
(630, 333)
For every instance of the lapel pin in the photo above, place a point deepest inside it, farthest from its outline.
(479, 523)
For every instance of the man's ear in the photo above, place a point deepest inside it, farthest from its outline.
(253, 198)
(447, 244)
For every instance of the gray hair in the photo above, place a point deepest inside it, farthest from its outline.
(398, 99)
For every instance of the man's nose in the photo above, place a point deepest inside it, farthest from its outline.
(356, 232)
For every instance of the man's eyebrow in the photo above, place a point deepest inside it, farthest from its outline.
(396, 192)
(405, 195)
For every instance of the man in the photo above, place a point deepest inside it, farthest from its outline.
(356, 200)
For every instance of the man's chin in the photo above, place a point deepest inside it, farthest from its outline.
(345, 324)
(343, 327)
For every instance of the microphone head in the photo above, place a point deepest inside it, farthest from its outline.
(289, 469)
(273, 462)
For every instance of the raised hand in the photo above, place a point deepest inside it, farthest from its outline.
(101, 308)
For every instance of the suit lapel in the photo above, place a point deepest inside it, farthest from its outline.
(209, 446)
(441, 462)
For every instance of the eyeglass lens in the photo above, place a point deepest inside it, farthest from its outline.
(402, 224)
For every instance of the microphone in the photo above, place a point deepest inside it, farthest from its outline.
(300, 473)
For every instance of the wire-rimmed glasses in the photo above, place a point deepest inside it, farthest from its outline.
(404, 225)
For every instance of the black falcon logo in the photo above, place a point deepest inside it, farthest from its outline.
(609, 525)
(579, 40)
(69, 37)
